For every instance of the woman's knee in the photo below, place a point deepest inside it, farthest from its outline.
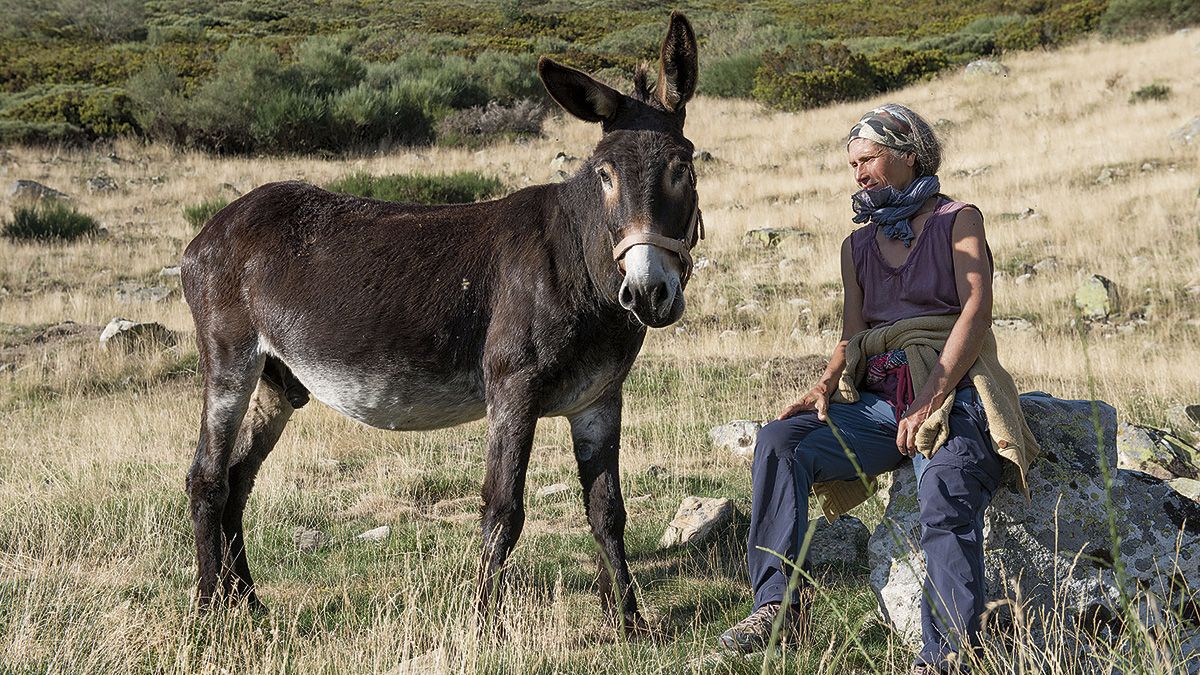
(950, 497)
(778, 440)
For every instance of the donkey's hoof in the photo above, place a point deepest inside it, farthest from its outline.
(256, 606)
(636, 628)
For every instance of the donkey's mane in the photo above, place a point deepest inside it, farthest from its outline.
(642, 89)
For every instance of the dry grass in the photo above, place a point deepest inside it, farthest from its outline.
(95, 553)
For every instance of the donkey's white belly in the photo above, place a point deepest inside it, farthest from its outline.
(395, 398)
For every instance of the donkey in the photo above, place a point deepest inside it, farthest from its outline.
(422, 317)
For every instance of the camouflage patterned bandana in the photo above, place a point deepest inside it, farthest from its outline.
(885, 126)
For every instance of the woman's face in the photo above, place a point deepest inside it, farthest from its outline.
(875, 166)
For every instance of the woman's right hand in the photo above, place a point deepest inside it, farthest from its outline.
(816, 399)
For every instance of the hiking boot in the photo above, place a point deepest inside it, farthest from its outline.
(752, 633)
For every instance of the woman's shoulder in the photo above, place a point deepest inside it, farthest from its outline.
(861, 235)
(952, 210)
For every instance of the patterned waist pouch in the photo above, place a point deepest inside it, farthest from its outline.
(880, 365)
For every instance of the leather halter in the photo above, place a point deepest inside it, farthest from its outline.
(680, 247)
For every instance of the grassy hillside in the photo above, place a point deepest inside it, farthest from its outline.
(96, 560)
(356, 75)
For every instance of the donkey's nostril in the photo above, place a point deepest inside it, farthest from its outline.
(626, 297)
(658, 296)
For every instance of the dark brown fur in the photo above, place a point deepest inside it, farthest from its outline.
(422, 316)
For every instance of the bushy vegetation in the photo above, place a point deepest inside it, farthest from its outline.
(66, 113)
(1155, 91)
(1129, 18)
(481, 124)
(49, 220)
(818, 74)
(731, 76)
(454, 188)
(321, 98)
(199, 214)
(311, 77)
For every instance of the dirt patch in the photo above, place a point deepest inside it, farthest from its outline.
(20, 343)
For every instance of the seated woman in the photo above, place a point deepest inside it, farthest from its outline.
(914, 375)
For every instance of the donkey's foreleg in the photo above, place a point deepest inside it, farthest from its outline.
(596, 433)
(511, 423)
(229, 378)
(263, 424)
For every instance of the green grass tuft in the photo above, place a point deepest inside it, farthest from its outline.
(198, 214)
(49, 221)
(1151, 92)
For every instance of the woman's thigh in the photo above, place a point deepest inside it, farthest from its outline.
(868, 429)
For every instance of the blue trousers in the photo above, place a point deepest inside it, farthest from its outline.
(954, 488)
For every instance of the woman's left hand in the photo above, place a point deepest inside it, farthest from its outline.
(906, 434)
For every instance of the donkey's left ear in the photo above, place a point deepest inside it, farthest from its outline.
(578, 93)
(678, 69)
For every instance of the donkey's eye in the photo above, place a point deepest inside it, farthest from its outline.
(604, 177)
(684, 172)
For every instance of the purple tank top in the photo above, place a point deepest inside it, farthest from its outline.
(924, 285)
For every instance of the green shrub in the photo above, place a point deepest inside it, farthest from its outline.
(732, 76)
(1151, 92)
(199, 214)
(108, 20)
(399, 115)
(90, 112)
(17, 132)
(455, 188)
(158, 104)
(509, 77)
(1132, 18)
(977, 38)
(323, 67)
(898, 67)
(222, 113)
(49, 220)
(1052, 28)
(812, 76)
(292, 121)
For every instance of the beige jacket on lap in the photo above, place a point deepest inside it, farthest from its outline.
(922, 339)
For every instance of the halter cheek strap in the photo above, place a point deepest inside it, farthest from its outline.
(680, 247)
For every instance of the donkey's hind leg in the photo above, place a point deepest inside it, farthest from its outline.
(231, 369)
(270, 409)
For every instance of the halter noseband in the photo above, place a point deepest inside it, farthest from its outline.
(680, 247)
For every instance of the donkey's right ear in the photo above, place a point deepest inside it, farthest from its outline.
(578, 93)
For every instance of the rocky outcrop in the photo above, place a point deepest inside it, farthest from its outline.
(1155, 452)
(1097, 297)
(1053, 553)
(736, 437)
(842, 543)
(130, 335)
(696, 519)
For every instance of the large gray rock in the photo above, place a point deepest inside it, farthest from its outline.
(842, 542)
(131, 335)
(308, 540)
(1097, 297)
(737, 437)
(768, 237)
(1188, 132)
(1053, 552)
(987, 67)
(1155, 452)
(31, 189)
(696, 519)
